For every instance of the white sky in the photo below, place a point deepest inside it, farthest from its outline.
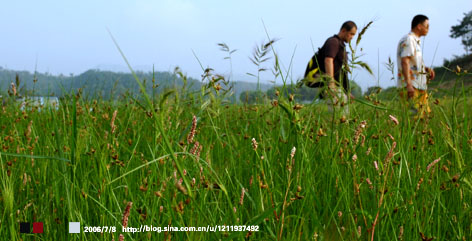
(71, 37)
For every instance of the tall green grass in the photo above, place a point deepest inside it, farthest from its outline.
(312, 175)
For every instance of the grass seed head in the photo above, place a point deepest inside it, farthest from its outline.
(394, 119)
(369, 182)
(13, 89)
(456, 177)
(181, 188)
(400, 234)
(419, 183)
(354, 158)
(390, 153)
(195, 147)
(112, 124)
(432, 164)
(241, 198)
(191, 135)
(28, 131)
(292, 153)
(359, 131)
(254, 144)
(126, 214)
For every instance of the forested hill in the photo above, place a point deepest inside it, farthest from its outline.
(105, 84)
(446, 76)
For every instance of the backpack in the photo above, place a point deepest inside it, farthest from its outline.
(313, 77)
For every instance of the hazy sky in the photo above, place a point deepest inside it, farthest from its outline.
(71, 36)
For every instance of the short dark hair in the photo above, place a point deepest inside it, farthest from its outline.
(418, 19)
(348, 25)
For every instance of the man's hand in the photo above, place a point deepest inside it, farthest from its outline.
(332, 85)
(431, 73)
(410, 90)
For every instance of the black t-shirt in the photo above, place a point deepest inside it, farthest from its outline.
(335, 48)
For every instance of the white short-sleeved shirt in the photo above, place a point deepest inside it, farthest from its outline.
(410, 45)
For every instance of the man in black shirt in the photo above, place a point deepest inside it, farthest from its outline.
(329, 62)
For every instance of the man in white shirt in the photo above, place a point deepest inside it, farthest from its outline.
(412, 72)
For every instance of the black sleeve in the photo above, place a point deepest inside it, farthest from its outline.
(331, 48)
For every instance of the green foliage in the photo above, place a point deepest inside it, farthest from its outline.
(447, 82)
(320, 180)
(373, 90)
(464, 30)
(356, 90)
(355, 61)
(94, 83)
(300, 93)
(299, 172)
(259, 58)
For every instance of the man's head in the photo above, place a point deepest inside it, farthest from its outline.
(420, 25)
(347, 31)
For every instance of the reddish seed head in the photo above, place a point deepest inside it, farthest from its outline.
(195, 148)
(191, 135)
(390, 153)
(126, 214)
(394, 119)
(241, 199)
(432, 164)
(354, 158)
(369, 182)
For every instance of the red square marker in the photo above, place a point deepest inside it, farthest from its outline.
(38, 227)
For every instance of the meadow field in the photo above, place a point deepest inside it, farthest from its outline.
(193, 159)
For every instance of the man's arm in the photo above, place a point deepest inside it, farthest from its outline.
(329, 69)
(406, 76)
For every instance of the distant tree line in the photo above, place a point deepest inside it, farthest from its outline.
(301, 94)
(93, 83)
(111, 85)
